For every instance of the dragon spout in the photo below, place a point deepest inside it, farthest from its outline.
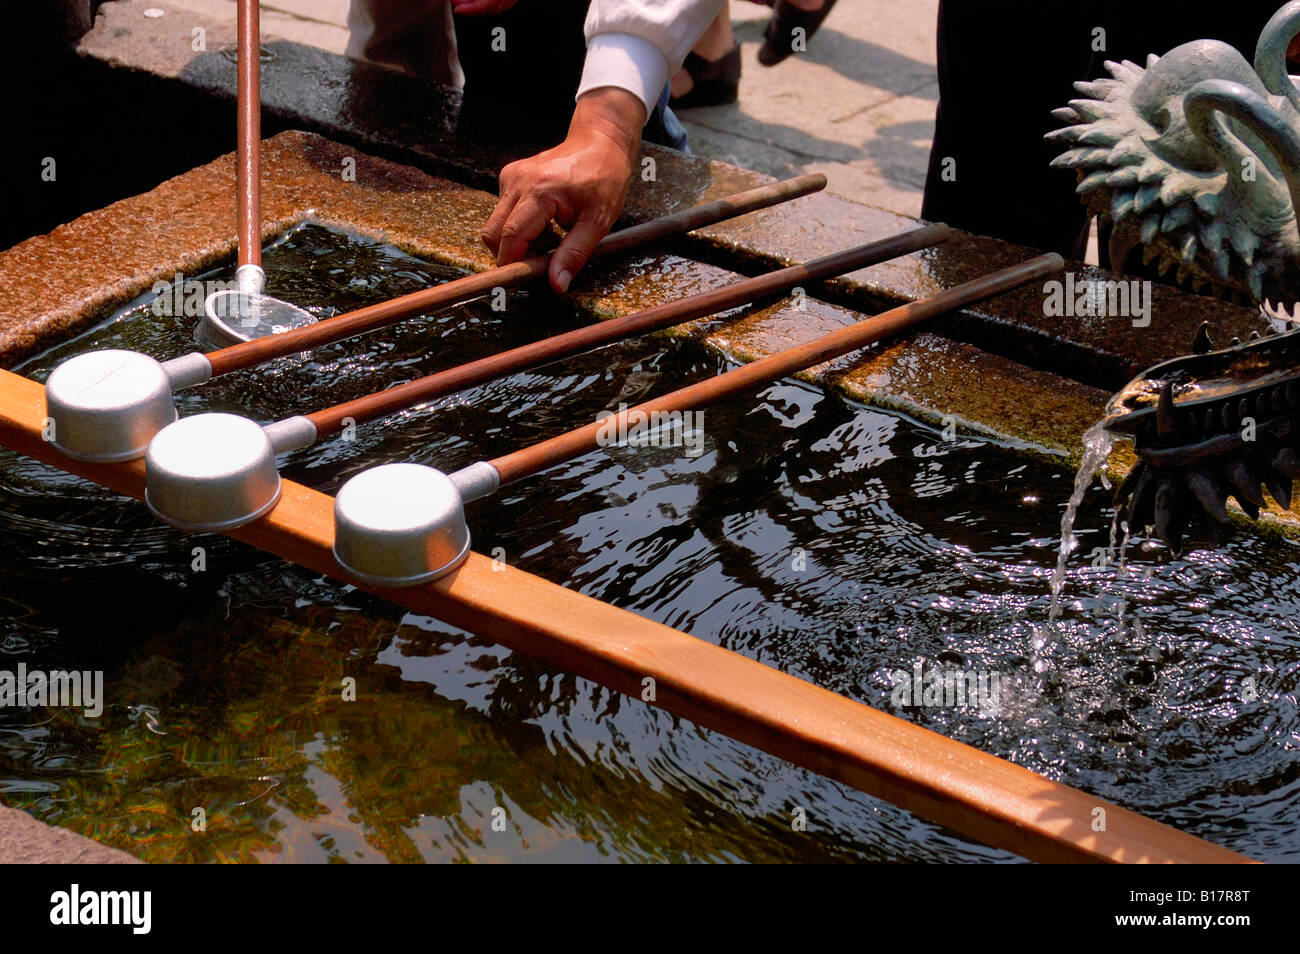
(1195, 160)
(1209, 426)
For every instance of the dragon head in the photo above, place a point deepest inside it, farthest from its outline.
(1195, 159)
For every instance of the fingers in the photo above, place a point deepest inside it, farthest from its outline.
(523, 223)
(514, 182)
(580, 184)
(515, 223)
(491, 233)
(575, 250)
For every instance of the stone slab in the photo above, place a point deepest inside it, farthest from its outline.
(55, 285)
(389, 114)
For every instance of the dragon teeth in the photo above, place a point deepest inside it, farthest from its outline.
(1279, 317)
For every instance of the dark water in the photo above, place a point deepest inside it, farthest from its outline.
(833, 541)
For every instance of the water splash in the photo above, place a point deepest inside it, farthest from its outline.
(1097, 444)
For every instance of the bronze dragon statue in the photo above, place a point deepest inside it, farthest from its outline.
(1195, 159)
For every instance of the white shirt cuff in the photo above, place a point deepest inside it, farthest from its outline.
(627, 61)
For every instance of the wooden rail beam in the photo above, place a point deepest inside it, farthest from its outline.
(955, 785)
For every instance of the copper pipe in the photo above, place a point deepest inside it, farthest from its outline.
(531, 460)
(744, 292)
(260, 350)
(249, 140)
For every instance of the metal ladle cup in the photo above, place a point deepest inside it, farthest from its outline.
(245, 312)
(107, 405)
(216, 471)
(404, 524)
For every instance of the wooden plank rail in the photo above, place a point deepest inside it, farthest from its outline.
(968, 791)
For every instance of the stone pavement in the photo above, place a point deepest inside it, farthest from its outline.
(320, 23)
(858, 106)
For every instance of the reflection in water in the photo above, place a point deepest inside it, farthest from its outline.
(833, 541)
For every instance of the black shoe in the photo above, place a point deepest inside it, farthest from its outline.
(715, 82)
(778, 39)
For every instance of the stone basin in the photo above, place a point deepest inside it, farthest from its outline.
(1005, 370)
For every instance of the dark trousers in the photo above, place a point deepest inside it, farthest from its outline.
(1004, 66)
(523, 95)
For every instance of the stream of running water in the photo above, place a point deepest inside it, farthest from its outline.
(1097, 444)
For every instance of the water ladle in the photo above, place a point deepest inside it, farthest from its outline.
(217, 471)
(107, 405)
(403, 524)
(246, 312)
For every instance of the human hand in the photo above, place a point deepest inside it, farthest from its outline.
(581, 184)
